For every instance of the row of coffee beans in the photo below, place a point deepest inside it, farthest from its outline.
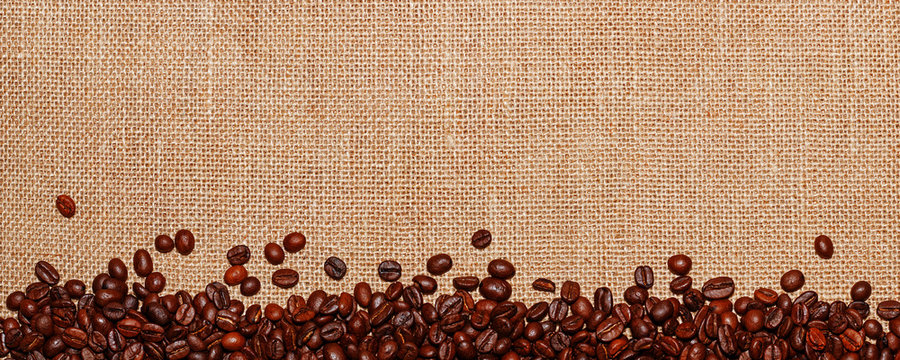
(71, 320)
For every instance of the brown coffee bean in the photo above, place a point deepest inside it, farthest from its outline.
(427, 284)
(467, 283)
(888, 310)
(718, 288)
(501, 269)
(164, 244)
(495, 289)
(143, 263)
(481, 239)
(234, 275)
(335, 268)
(570, 291)
(439, 264)
(542, 284)
(681, 284)
(117, 269)
(250, 286)
(273, 253)
(184, 242)
(65, 205)
(46, 273)
(389, 270)
(861, 291)
(824, 247)
(155, 282)
(238, 255)
(792, 280)
(643, 277)
(294, 242)
(285, 278)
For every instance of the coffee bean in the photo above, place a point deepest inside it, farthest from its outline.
(234, 275)
(824, 247)
(335, 268)
(427, 284)
(542, 284)
(233, 341)
(389, 270)
(718, 288)
(178, 350)
(65, 205)
(501, 269)
(481, 239)
(888, 310)
(643, 277)
(495, 289)
(117, 269)
(184, 242)
(681, 284)
(164, 244)
(861, 291)
(679, 264)
(250, 286)
(238, 255)
(273, 253)
(294, 242)
(46, 273)
(143, 263)
(285, 278)
(570, 291)
(792, 281)
(467, 283)
(439, 264)
(155, 282)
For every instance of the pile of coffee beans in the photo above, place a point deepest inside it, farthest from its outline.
(477, 319)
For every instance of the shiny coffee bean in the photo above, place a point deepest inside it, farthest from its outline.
(164, 244)
(142, 262)
(439, 264)
(285, 278)
(184, 242)
(481, 239)
(335, 268)
(294, 242)
(792, 281)
(823, 246)
(250, 286)
(389, 270)
(238, 255)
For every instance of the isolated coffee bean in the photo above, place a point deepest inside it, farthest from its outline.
(184, 242)
(164, 244)
(117, 269)
(238, 255)
(481, 239)
(143, 263)
(439, 264)
(250, 286)
(294, 242)
(389, 270)
(643, 277)
(501, 269)
(46, 273)
(861, 291)
(824, 247)
(542, 284)
(273, 254)
(285, 278)
(65, 205)
(235, 275)
(335, 268)
(792, 281)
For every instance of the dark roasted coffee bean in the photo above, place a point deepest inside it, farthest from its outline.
(679, 264)
(661, 312)
(792, 280)
(467, 283)
(142, 262)
(234, 275)
(184, 242)
(427, 284)
(495, 289)
(570, 291)
(718, 288)
(681, 284)
(273, 253)
(603, 299)
(888, 310)
(542, 284)
(65, 205)
(285, 278)
(558, 310)
(294, 242)
(178, 350)
(250, 286)
(481, 239)
(218, 295)
(238, 255)
(610, 329)
(439, 264)
(335, 268)
(164, 244)
(389, 270)
(501, 269)
(643, 277)
(46, 273)
(824, 247)
(155, 282)
(117, 269)
(861, 291)
(635, 295)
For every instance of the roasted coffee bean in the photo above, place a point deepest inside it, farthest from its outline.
(861, 291)
(65, 205)
(335, 268)
(427, 284)
(294, 242)
(250, 286)
(467, 283)
(238, 255)
(888, 310)
(643, 277)
(603, 299)
(46, 273)
(542, 284)
(679, 264)
(155, 282)
(143, 263)
(164, 244)
(681, 284)
(439, 264)
(273, 253)
(481, 239)
(117, 269)
(495, 289)
(184, 242)
(389, 271)
(718, 288)
(635, 295)
(570, 291)
(218, 295)
(178, 350)
(234, 275)
(824, 247)
(501, 269)
(285, 278)
(792, 281)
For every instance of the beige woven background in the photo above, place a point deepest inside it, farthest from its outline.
(588, 137)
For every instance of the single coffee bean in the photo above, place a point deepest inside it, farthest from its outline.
(389, 270)
(501, 269)
(155, 282)
(164, 244)
(679, 264)
(238, 255)
(75, 288)
(250, 286)
(46, 273)
(888, 310)
(233, 341)
(570, 291)
(861, 291)
(495, 289)
(467, 283)
(718, 288)
(824, 247)
(184, 242)
(427, 284)
(643, 277)
(143, 263)
(439, 264)
(542, 284)
(294, 242)
(273, 253)
(335, 268)
(285, 278)
(65, 205)
(117, 269)
(235, 274)
(481, 239)
(681, 284)
(792, 280)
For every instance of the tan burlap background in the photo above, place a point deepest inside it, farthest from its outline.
(588, 137)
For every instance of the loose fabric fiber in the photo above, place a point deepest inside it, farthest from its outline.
(588, 137)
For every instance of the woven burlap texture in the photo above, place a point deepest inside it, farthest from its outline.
(589, 137)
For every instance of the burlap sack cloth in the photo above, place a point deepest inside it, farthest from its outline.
(590, 138)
